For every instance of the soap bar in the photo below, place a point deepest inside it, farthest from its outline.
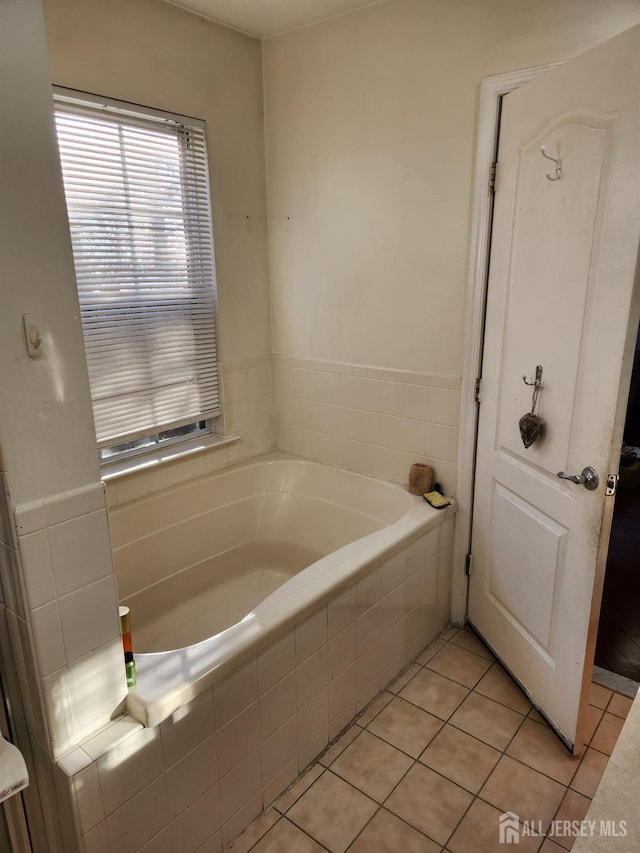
(437, 500)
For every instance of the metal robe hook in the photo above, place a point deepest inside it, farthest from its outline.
(543, 151)
(536, 385)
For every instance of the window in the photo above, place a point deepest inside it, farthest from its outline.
(137, 190)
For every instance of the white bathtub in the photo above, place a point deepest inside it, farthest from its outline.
(215, 570)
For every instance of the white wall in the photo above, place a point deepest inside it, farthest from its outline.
(46, 425)
(370, 124)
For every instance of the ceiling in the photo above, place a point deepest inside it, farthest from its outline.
(263, 18)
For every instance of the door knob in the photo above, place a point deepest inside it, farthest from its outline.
(589, 478)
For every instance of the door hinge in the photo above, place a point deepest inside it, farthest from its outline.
(467, 565)
(478, 384)
(492, 177)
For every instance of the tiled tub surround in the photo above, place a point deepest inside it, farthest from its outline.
(371, 420)
(246, 415)
(187, 562)
(194, 781)
(60, 597)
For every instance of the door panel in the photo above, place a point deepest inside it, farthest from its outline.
(563, 261)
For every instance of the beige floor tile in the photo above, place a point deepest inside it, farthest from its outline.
(594, 715)
(434, 693)
(284, 837)
(589, 772)
(427, 653)
(599, 695)
(513, 787)
(607, 733)
(374, 708)
(428, 801)
(551, 847)
(619, 705)
(574, 808)
(478, 832)
(386, 833)
(537, 745)
(298, 788)
(472, 643)
(254, 832)
(372, 766)
(340, 745)
(332, 811)
(405, 726)
(498, 685)
(534, 714)
(459, 664)
(461, 758)
(487, 720)
(403, 679)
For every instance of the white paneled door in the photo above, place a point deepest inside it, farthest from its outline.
(561, 282)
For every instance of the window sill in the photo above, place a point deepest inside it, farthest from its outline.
(112, 470)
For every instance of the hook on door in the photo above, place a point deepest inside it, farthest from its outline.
(556, 177)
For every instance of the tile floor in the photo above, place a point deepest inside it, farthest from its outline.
(435, 759)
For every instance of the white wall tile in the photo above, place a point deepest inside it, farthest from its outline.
(238, 738)
(369, 589)
(198, 827)
(235, 693)
(279, 749)
(38, 571)
(29, 517)
(98, 687)
(276, 661)
(97, 840)
(80, 551)
(240, 785)
(77, 502)
(139, 819)
(342, 650)
(311, 635)
(277, 704)
(129, 767)
(341, 611)
(89, 617)
(59, 711)
(87, 798)
(160, 843)
(47, 637)
(187, 727)
(312, 676)
(241, 819)
(312, 749)
(313, 718)
(273, 788)
(192, 776)
(342, 691)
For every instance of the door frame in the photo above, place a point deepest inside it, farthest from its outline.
(491, 91)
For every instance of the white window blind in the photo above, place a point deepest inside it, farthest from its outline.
(137, 191)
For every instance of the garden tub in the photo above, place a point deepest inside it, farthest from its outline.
(216, 569)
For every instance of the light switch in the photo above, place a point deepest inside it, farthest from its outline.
(32, 336)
